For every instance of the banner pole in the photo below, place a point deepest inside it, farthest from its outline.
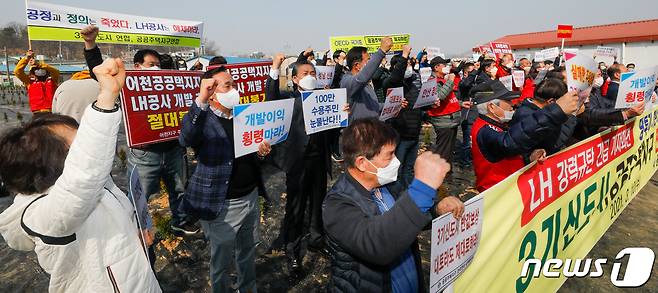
(562, 51)
(29, 41)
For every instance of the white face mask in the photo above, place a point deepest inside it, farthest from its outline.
(631, 69)
(40, 72)
(308, 83)
(445, 70)
(408, 72)
(344, 63)
(510, 65)
(416, 67)
(387, 174)
(598, 82)
(527, 69)
(150, 68)
(228, 99)
(507, 117)
(493, 70)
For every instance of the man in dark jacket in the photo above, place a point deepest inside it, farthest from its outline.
(306, 161)
(408, 121)
(371, 222)
(156, 161)
(497, 148)
(223, 191)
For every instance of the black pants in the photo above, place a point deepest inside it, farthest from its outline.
(445, 142)
(306, 182)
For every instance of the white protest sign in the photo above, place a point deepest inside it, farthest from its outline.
(539, 56)
(259, 122)
(550, 53)
(428, 94)
(581, 71)
(393, 103)
(507, 81)
(425, 74)
(324, 75)
(52, 22)
(519, 77)
(606, 51)
(636, 87)
(454, 243)
(432, 52)
(323, 109)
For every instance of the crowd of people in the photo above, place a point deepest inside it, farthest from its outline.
(88, 235)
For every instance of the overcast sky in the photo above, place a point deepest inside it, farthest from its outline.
(241, 26)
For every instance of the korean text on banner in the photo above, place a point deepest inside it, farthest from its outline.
(324, 75)
(393, 103)
(581, 71)
(259, 122)
(636, 87)
(51, 22)
(606, 52)
(551, 53)
(507, 81)
(454, 243)
(250, 79)
(428, 94)
(323, 109)
(500, 49)
(154, 103)
(519, 78)
(559, 209)
(372, 42)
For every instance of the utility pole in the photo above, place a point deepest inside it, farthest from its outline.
(7, 65)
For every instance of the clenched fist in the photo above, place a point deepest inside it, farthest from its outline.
(111, 76)
(431, 169)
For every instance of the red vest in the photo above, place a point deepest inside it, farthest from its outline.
(487, 174)
(448, 105)
(41, 95)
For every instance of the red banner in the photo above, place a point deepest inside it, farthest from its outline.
(500, 49)
(250, 79)
(154, 103)
(545, 182)
(564, 31)
(485, 48)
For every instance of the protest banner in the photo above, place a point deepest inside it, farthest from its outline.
(259, 122)
(154, 103)
(485, 49)
(250, 79)
(425, 74)
(428, 94)
(606, 52)
(539, 56)
(432, 52)
(559, 209)
(454, 243)
(51, 22)
(500, 49)
(581, 71)
(551, 53)
(393, 103)
(323, 109)
(519, 78)
(636, 87)
(324, 75)
(507, 81)
(372, 42)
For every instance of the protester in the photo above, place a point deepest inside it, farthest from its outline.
(422, 59)
(525, 65)
(546, 93)
(40, 83)
(74, 95)
(408, 121)
(382, 73)
(497, 148)
(630, 66)
(68, 210)
(614, 73)
(306, 161)
(445, 115)
(372, 222)
(360, 94)
(223, 191)
(157, 161)
(505, 66)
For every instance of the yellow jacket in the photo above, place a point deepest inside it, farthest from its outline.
(19, 72)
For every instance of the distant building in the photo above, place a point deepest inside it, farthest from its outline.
(636, 41)
(231, 60)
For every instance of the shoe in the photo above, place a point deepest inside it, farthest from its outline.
(185, 228)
